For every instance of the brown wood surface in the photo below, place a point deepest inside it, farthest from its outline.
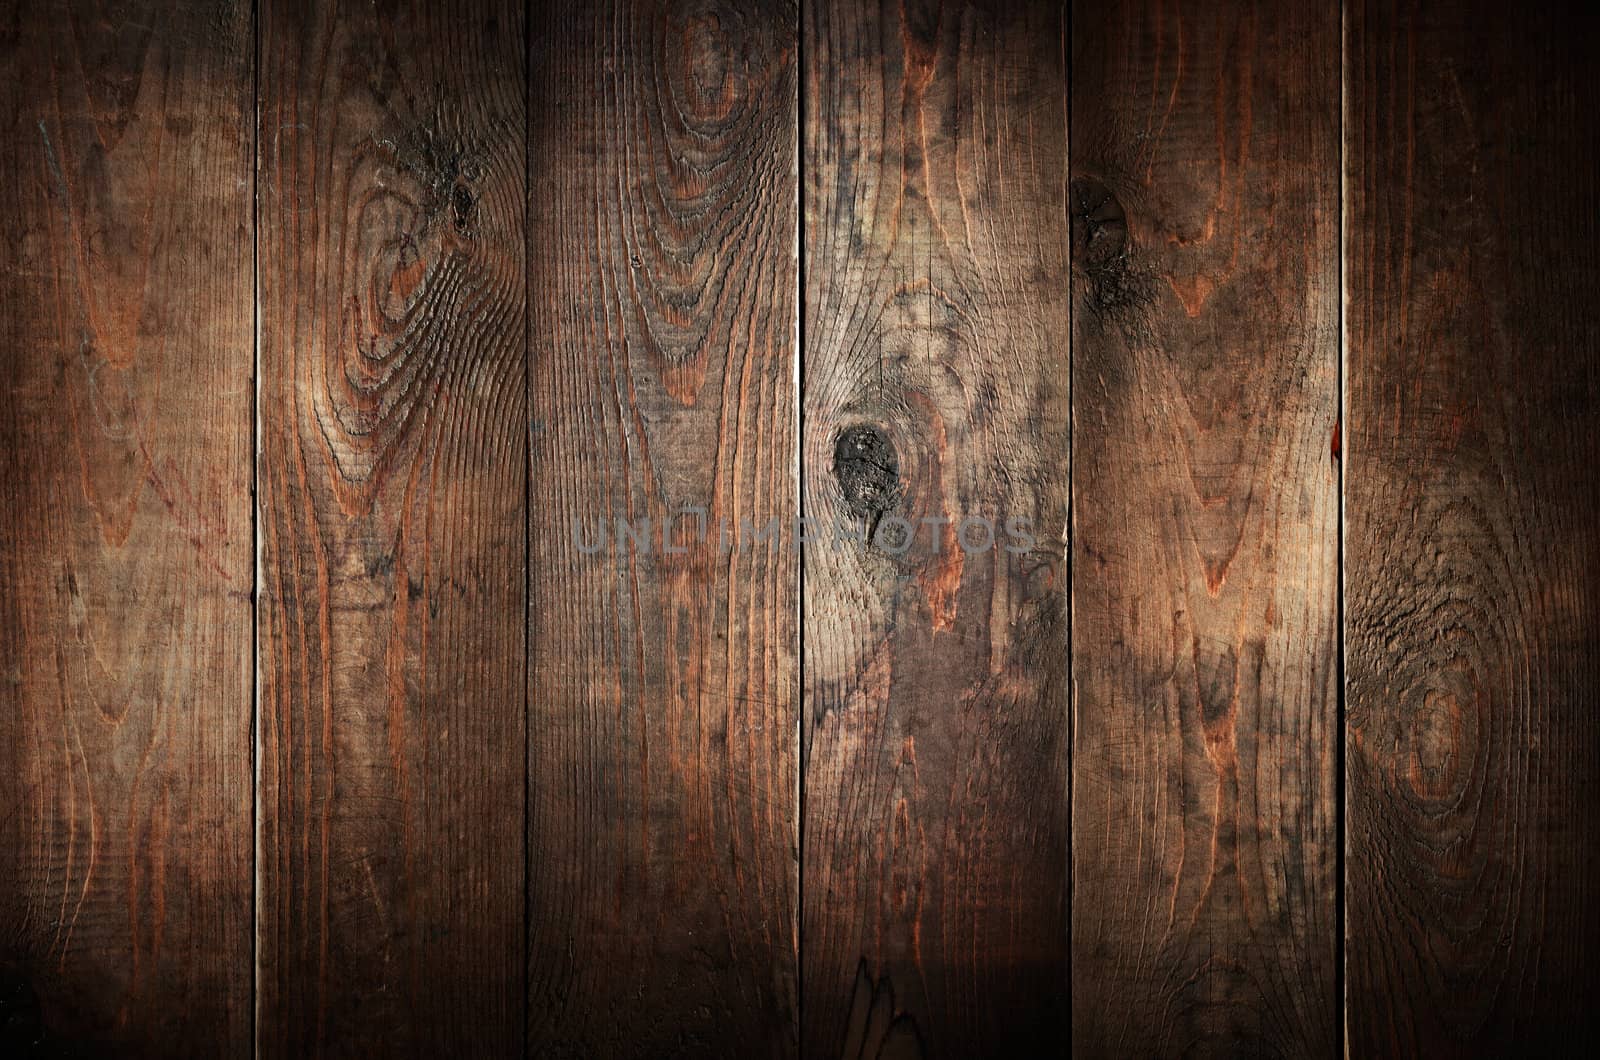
(125, 529)
(332, 336)
(1472, 547)
(1205, 206)
(662, 741)
(393, 477)
(935, 387)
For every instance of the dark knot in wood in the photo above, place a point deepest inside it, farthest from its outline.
(1099, 224)
(868, 470)
(1115, 290)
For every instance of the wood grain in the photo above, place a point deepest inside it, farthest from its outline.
(935, 368)
(125, 531)
(1205, 529)
(392, 523)
(662, 249)
(1473, 553)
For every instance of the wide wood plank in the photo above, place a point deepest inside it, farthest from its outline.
(662, 749)
(125, 529)
(935, 392)
(392, 524)
(1205, 528)
(1473, 540)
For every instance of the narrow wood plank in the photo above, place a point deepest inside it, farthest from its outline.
(1473, 541)
(936, 375)
(125, 529)
(662, 745)
(393, 542)
(1205, 541)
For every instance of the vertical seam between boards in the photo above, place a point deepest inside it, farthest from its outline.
(255, 531)
(525, 431)
(800, 508)
(1343, 455)
(1067, 545)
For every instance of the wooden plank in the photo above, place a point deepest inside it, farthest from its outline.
(125, 529)
(1472, 584)
(393, 542)
(936, 375)
(1206, 528)
(663, 688)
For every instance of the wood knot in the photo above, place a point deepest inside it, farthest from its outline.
(1099, 224)
(1441, 746)
(448, 171)
(868, 470)
(710, 79)
(1115, 288)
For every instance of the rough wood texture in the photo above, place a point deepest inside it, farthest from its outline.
(125, 529)
(1205, 530)
(935, 388)
(555, 808)
(1472, 550)
(392, 524)
(663, 688)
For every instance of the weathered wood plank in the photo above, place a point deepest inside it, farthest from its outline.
(1206, 527)
(125, 529)
(393, 543)
(662, 738)
(1473, 541)
(935, 389)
